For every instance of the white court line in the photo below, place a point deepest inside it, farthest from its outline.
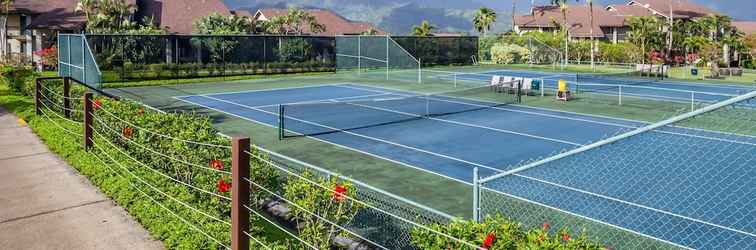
(264, 90)
(325, 100)
(335, 144)
(589, 121)
(467, 124)
(366, 137)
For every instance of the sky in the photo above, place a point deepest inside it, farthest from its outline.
(737, 9)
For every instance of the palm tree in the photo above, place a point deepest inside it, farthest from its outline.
(424, 29)
(644, 30)
(565, 26)
(483, 20)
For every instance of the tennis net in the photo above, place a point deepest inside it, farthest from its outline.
(320, 118)
(612, 81)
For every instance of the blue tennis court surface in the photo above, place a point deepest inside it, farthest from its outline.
(496, 139)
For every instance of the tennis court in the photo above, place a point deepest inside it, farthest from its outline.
(379, 122)
(466, 133)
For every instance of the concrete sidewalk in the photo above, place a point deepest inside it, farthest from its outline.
(46, 204)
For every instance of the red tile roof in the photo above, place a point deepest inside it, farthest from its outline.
(178, 16)
(53, 14)
(578, 17)
(680, 8)
(747, 27)
(628, 10)
(244, 13)
(335, 24)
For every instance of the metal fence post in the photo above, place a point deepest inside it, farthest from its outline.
(476, 195)
(66, 97)
(388, 56)
(88, 120)
(38, 96)
(620, 95)
(239, 193)
(692, 101)
(419, 70)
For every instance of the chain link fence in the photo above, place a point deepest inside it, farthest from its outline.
(686, 182)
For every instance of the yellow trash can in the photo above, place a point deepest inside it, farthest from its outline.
(562, 85)
(563, 93)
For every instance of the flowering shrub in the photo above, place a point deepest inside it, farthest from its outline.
(496, 233)
(137, 136)
(326, 197)
(48, 57)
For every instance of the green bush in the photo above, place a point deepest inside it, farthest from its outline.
(509, 53)
(484, 47)
(496, 233)
(19, 78)
(158, 69)
(617, 53)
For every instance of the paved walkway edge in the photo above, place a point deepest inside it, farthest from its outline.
(46, 204)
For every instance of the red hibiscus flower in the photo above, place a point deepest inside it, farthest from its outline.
(490, 238)
(216, 164)
(338, 192)
(566, 237)
(546, 226)
(541, 238)
(127, 132)
(140, 111)
(97, 104)
(223, 187)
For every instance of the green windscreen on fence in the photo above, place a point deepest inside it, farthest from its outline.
(125, 58)
(75, 60)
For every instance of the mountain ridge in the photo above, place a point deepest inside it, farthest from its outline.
(394, 16)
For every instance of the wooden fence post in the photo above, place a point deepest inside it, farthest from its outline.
(38, 96)
(88, 120)
(239, 193)
(66, 97)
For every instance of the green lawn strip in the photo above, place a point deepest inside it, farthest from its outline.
(174, 233)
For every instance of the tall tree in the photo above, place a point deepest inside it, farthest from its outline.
(645, 31)
(424, 29)
(294, 22)
(107, 16)
(750, 43)
(484, 18)
(216, 24)
(565, 25)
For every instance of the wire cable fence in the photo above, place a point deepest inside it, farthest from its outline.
(186, 175)
(685, 182)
